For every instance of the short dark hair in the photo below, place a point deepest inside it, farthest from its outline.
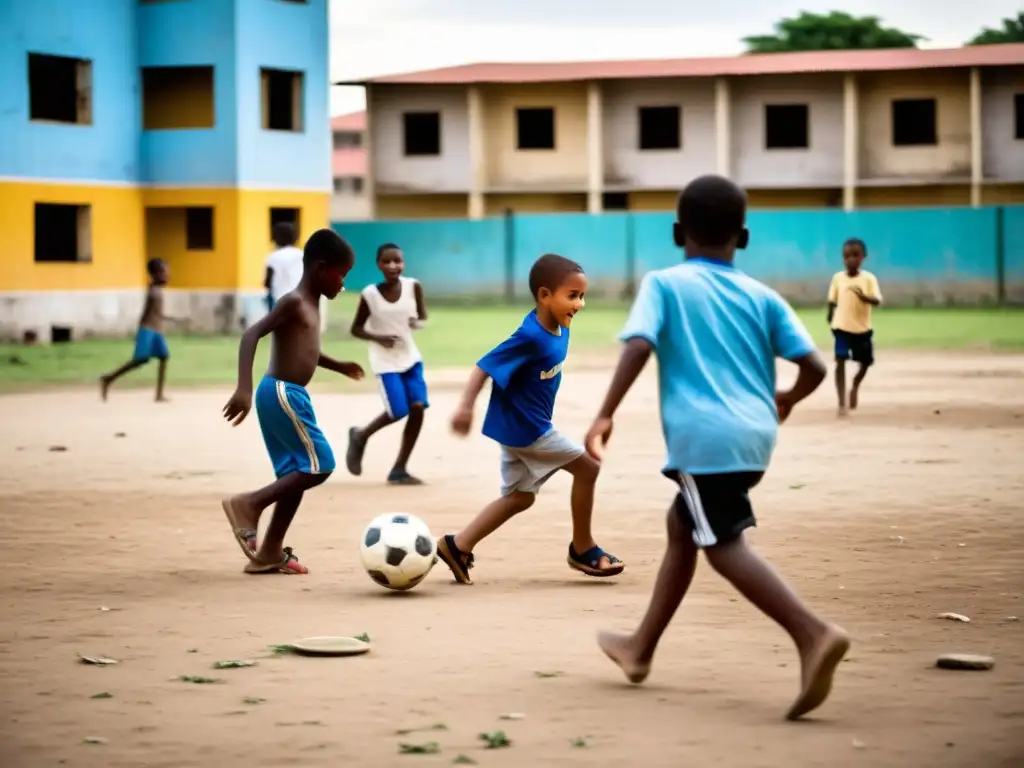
(550, 271)
(856, 241)
(153, 266)
(328, 247)
(712, 210)
(382, 249)
(283, 234)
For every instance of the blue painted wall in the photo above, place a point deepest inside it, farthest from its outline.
(919, 255)
(289, 36)
(192, 33)
(103, 31)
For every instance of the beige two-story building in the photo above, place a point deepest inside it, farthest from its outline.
(845, 129)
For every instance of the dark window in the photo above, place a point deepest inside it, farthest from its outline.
(357, 185)
(535, 128)
(1018, 115)
(282, 100)
(177, 97)
(659, 128)
(199, 229)
(284, 216)
(785, 126)
(422, 133)
(59, 89)
(913, 123)
(615, 201)
(63, 233)
(347, 139)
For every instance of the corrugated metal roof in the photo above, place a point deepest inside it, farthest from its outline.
(890, 59)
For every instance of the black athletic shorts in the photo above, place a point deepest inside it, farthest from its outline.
(716, 508)
(858, 347)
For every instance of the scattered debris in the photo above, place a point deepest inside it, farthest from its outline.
(897, 539)
(954, 617)
(579, 742)
(797, 487)
(434, 727)
(95, 740)
(120, 434)
(102, 695)
(544, 675)
(192, 650)
(967, 661)
(101, 661)
(281, 649)
(495, 739)
(233, 664)
(197, 679)
(430, 748)
(513, 716)
(58, 449)
(858, 744)
(364, 637)
(253, 700)
(1012, 618)
(463, 760)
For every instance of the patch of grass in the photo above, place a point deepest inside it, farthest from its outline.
(495, 740)
(457, 337)
(430, 748)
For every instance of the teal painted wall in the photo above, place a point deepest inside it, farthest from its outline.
(926, 256)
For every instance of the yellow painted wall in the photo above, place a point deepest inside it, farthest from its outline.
(566, 164)
(165, 236)
(495, 205)
(421, 207)
(950, 157)
(1002, 194)
(914, 197)
(794, 198)
(254, 227)
(118, 251)
(653, 201)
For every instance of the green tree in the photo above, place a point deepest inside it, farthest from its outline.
(835, 31)
(1012, 32)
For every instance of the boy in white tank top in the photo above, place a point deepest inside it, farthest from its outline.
(387, 315)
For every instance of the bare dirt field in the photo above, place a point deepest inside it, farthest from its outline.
(910, 508)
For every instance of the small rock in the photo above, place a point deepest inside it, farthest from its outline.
(513, 716)
(1012, 618)
(120, 434)
(858, 744)
(58, 449)
(95, 740)
(954, 617)
(897, 539)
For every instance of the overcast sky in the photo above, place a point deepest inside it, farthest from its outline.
(376, 37)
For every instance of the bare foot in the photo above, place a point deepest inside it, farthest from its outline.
(842, 412)
(287, 563)
(817, 669)
(853, 399)
(104, 387)
(163, 399)
(616, 646)
(244, 522)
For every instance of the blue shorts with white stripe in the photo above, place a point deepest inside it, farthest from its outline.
(293, 438)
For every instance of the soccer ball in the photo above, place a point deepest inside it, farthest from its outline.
(398, 551)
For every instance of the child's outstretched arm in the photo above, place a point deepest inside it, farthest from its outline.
(359, 331)
(833, 299)
(811, 372)
(462, 419)
(791, 342)
(241, 401)
(352, 370)
(631, 362)
(499, 365)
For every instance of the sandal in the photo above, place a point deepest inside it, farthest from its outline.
(589, 562)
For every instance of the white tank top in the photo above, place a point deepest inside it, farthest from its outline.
(392, 319)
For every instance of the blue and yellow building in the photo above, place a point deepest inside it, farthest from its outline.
(133, 129)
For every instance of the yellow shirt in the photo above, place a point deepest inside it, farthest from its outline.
(852, 315)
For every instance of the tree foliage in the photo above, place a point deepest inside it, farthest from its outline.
(1012, 32)
(835, 31)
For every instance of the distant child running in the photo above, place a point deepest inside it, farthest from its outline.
(525, 372)
(851, 296)
(301, 456)
(716, 333)
(149, 339)
(387, 315)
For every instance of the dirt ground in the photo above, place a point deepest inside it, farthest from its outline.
(118, 546)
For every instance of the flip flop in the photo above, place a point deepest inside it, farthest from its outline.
(590, 561)
(330, 646)
(242, 535)
(284, 565)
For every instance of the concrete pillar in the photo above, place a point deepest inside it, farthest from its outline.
(977, 157)
(595, 149)
(477, 163)
(723, 128)
(369, 180)
(851, 141)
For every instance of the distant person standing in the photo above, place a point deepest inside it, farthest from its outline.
(284, 266)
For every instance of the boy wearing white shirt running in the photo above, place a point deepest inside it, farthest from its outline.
(387, 315)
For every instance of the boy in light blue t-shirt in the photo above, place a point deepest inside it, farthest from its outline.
(525, 371)
(717, 333)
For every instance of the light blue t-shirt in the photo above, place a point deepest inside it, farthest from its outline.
(717, 333)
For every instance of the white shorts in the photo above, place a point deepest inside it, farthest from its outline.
(527, 469)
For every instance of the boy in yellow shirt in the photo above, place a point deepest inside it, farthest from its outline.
(852, 295)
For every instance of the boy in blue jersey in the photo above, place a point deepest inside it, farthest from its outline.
(300, 453)
(525, 372)
(717, 333)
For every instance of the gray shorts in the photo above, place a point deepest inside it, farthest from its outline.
(527, 469)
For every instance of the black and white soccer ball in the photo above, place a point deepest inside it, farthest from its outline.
(398, 551)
